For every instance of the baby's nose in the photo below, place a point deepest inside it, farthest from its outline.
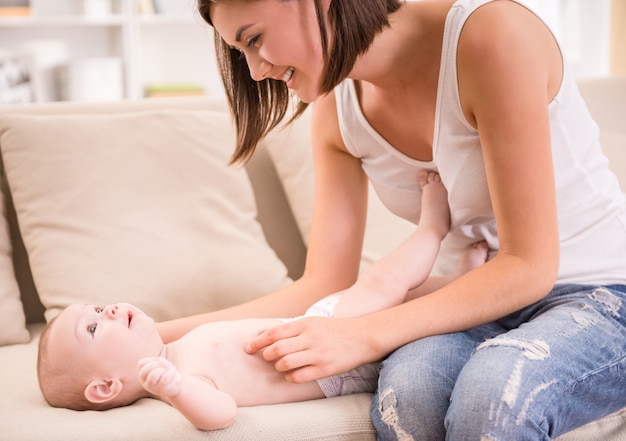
(111, 311)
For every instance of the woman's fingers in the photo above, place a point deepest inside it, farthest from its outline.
(270, 336)
(306, 373)
(312, 348)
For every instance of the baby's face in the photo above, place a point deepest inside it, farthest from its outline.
(106, 340)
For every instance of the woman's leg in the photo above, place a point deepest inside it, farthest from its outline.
(560, 367)
(416, 382)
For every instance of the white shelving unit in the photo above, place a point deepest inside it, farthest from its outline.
(171, 47)
(176, 46)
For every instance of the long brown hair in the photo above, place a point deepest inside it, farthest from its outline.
(258, 107)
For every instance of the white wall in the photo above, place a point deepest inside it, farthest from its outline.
(583, 29)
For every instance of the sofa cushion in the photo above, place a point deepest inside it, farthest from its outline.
(343, 418)
(291, 153)
(137, 207)
(12, 318)
(614, 147)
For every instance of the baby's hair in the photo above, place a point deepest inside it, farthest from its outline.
(62, 381)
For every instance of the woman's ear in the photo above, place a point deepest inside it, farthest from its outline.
(101, 390)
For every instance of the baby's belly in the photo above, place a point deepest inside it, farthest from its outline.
(263, 384)
(249, 379)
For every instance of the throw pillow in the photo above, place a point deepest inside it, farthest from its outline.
(12, 320)
(614, 147)
(137, 207)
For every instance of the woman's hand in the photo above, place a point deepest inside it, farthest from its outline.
(315, 347)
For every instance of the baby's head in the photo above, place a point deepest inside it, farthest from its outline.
(88, 356)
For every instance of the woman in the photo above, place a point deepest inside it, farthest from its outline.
(529, 345)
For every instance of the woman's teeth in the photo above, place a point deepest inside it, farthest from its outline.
(288, 74)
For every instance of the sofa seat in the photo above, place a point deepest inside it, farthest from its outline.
(25, 416)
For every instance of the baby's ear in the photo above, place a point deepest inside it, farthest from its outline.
(101, 390)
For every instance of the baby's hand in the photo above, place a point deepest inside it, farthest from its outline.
(159, 376)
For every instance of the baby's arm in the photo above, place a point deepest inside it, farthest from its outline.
(195, 397)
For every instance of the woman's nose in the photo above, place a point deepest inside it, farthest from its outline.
(259, 68)
(111, 311)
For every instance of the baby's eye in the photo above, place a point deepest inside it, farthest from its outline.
(92, 328)
(99, 309)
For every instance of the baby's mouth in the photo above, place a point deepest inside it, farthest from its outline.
(130, 318)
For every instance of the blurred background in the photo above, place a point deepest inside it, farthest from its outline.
(105, 50)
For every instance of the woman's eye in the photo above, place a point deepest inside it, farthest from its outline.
(253, 40)
(92, 328)
(240, 55)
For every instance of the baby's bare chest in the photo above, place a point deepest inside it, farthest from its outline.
(217, 352)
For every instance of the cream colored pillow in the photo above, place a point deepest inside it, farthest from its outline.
(12, 320)
(291, 153)
(614, 147)
(137, 207)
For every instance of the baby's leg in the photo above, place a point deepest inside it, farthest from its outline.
(436, 215)
(435, 210)
(473, 257)
(386, 282)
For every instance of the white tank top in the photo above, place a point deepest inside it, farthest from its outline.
(591, 206)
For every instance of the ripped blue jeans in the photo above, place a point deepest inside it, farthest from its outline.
(533, 375)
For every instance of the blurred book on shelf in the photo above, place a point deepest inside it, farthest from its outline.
(174, 89)
(14, 8)
(146, 7)
(16, 78)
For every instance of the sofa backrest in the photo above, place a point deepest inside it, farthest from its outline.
(274, 213)
(606, 99)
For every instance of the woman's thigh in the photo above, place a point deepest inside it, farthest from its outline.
(550, 368)
(416, 382)
(560, 366)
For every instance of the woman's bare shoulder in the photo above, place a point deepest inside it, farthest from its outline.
(325, 123)
(505, 47)
(505, 28)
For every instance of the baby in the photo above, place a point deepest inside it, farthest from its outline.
(100, 357)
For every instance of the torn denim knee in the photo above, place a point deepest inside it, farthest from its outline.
(533, 350)
(389, 414)
(607, 299)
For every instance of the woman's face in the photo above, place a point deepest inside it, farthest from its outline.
(279, 38)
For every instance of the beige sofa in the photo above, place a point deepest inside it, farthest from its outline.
(132, 202)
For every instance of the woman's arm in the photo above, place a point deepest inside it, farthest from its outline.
(336, 238)
(509, 69)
